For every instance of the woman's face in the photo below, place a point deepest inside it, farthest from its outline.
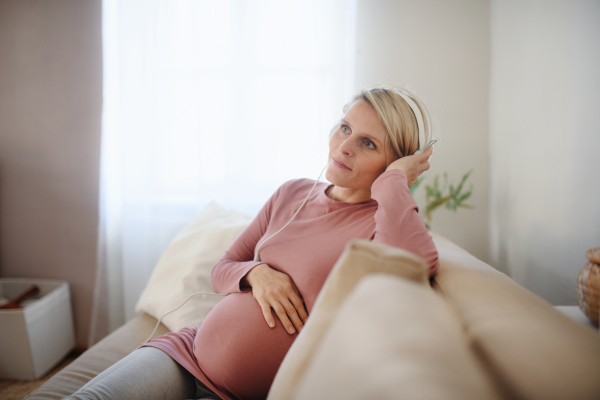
(359, 144)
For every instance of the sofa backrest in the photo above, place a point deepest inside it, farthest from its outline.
(532, 350)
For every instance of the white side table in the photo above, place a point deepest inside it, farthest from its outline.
(35, 338)
(575, 313)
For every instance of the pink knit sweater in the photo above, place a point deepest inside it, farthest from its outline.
(234, 352)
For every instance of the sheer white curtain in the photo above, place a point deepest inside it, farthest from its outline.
(204, 100)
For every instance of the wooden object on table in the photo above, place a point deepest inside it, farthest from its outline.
(14, 304)
(588, 286)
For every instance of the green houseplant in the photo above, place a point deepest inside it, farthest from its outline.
(437, 195)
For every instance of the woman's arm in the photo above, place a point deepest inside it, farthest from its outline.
(397, 220)
(271, 288)
(227, 275)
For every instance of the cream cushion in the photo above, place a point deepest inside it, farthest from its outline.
(186, 265)
(359, 258)
(534, 351)
(395, 339)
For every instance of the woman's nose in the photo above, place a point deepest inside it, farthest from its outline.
(346, 147)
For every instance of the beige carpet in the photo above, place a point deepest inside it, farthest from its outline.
(18, 390)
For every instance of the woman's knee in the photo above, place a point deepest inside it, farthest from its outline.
(146, 373)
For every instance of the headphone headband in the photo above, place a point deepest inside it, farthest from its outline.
(417, 111)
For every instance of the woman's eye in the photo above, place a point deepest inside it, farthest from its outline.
(368, 143)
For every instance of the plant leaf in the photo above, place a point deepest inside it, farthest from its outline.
(463, 180)
(465, 196)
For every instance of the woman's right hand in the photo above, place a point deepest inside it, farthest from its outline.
(413, 166)
(276, 290)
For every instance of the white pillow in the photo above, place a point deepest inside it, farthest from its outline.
(186, 265)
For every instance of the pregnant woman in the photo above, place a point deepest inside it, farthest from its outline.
(237, 350)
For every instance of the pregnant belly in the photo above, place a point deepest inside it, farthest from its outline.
(236, 349)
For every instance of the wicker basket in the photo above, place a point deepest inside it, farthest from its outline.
(588, 286)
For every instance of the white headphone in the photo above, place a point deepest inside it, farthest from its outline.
(420, 124)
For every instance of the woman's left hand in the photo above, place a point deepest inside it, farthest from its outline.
(413, 166)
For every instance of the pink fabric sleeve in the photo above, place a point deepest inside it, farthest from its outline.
(237, 260)
(397, 220)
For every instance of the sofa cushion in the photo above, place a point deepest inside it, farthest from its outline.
(359, 258)
(535, 351)
(102, 355)
(395, 339)
(185, 267)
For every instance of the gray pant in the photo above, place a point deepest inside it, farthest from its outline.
(147, 373)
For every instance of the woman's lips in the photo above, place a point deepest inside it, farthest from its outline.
(340, 164)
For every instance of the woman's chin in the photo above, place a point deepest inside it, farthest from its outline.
(334, 177)
(331, 175)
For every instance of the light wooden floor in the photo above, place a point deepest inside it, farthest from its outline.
(17, 390)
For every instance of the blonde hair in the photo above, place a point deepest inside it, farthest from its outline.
(397, 117)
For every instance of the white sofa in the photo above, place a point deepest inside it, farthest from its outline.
(381, 330)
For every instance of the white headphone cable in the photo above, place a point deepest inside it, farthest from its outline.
(175, 309)
(256, 255)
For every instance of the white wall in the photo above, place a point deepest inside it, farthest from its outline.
(545, 142)
(50, 109)
(441, 50)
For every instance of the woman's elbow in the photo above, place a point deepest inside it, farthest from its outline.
(214, 279)
(434, 265)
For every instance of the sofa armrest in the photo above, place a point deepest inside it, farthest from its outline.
(359, 258)
(102, 355)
